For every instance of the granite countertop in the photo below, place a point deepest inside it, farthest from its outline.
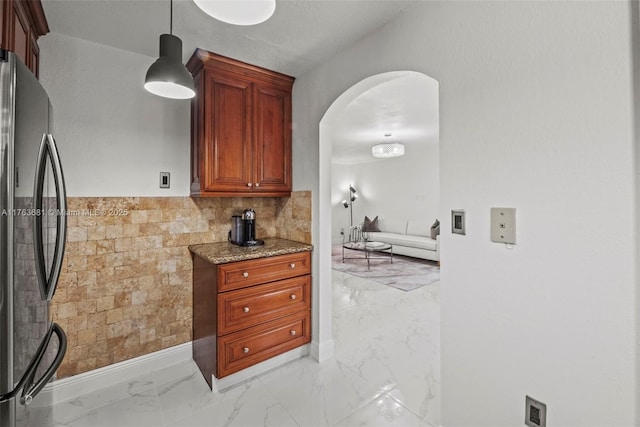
(224, 252)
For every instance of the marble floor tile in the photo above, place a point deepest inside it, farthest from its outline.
(34, 416)
(384, 410)
(74, 408)
(386, 372)
(319, 394)
(187, 395)
(138, 410)
(246, 405)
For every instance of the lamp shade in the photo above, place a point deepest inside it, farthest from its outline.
(238, 12)
(388, 150)
(168, 77)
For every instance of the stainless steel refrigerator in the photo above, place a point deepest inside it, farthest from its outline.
(32, 241)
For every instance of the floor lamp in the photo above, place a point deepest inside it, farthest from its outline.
(349, 203)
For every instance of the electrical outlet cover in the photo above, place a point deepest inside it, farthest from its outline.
(503, 225)
(165, 180)
(535, 413)
(458, 223)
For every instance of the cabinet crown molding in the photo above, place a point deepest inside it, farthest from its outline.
(35, 10)
(204, 59)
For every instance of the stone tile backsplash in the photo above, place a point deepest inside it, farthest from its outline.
(125, 287)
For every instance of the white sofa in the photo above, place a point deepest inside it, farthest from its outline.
(411, 238)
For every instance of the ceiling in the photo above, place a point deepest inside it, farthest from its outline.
(406, 107)
(300, 34)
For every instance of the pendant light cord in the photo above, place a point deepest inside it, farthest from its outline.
(171, 18)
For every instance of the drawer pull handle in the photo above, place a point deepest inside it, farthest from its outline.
(292, 332)
(245, 350)
(249, 184)
(257, 184)
(246, 309)
(292, 296)
(245, 274)
(292, 265)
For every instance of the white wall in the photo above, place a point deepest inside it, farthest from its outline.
(406, 187)
(341, 178)
(114, 137)
(535, 113)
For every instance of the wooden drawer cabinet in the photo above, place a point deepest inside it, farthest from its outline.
(246, 312)
(245, 348)
(246, 273)
(246, 307)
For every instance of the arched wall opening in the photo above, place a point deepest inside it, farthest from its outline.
(326, 132)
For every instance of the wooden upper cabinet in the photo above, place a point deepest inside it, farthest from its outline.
(21, 24)
(241, 129)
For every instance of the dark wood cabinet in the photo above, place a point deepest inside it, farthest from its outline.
(21, 24)
(246, 312)
(240, 129)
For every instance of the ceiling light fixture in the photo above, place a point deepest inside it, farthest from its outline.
(393, 149)
(168, 77)
(238, 12)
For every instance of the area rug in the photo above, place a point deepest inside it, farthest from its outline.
(405, 273)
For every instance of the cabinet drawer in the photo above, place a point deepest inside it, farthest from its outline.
(243, 308)
(241, 274)
(242, 349)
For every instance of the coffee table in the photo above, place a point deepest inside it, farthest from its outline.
(368, 248)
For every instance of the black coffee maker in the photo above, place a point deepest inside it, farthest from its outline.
(243, 229)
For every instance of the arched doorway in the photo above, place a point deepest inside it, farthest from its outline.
(326, 132)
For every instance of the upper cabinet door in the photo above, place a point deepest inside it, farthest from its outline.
(272, 155)
(228, 150)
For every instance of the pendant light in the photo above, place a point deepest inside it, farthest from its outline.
(168, 77)
(238, 12)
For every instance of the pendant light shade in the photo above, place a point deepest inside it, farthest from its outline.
(168, 77)
(238, 12)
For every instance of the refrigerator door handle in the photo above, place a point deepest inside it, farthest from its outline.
(38, 245)
(61, 216)
(48, 280)
(29, 392)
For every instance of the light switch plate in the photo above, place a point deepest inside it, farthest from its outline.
(458, 225)
(503, 225)
(165, 180)
(535, 413)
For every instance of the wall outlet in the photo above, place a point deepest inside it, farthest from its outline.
(535, 413)
(503, 225)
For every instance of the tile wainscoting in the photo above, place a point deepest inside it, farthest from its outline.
(125, 287)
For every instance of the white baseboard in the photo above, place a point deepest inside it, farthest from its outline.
(78, 385)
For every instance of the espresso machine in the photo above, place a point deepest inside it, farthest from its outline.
(243, 229)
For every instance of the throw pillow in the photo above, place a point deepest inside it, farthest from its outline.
(370, 224)
(435, 229)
